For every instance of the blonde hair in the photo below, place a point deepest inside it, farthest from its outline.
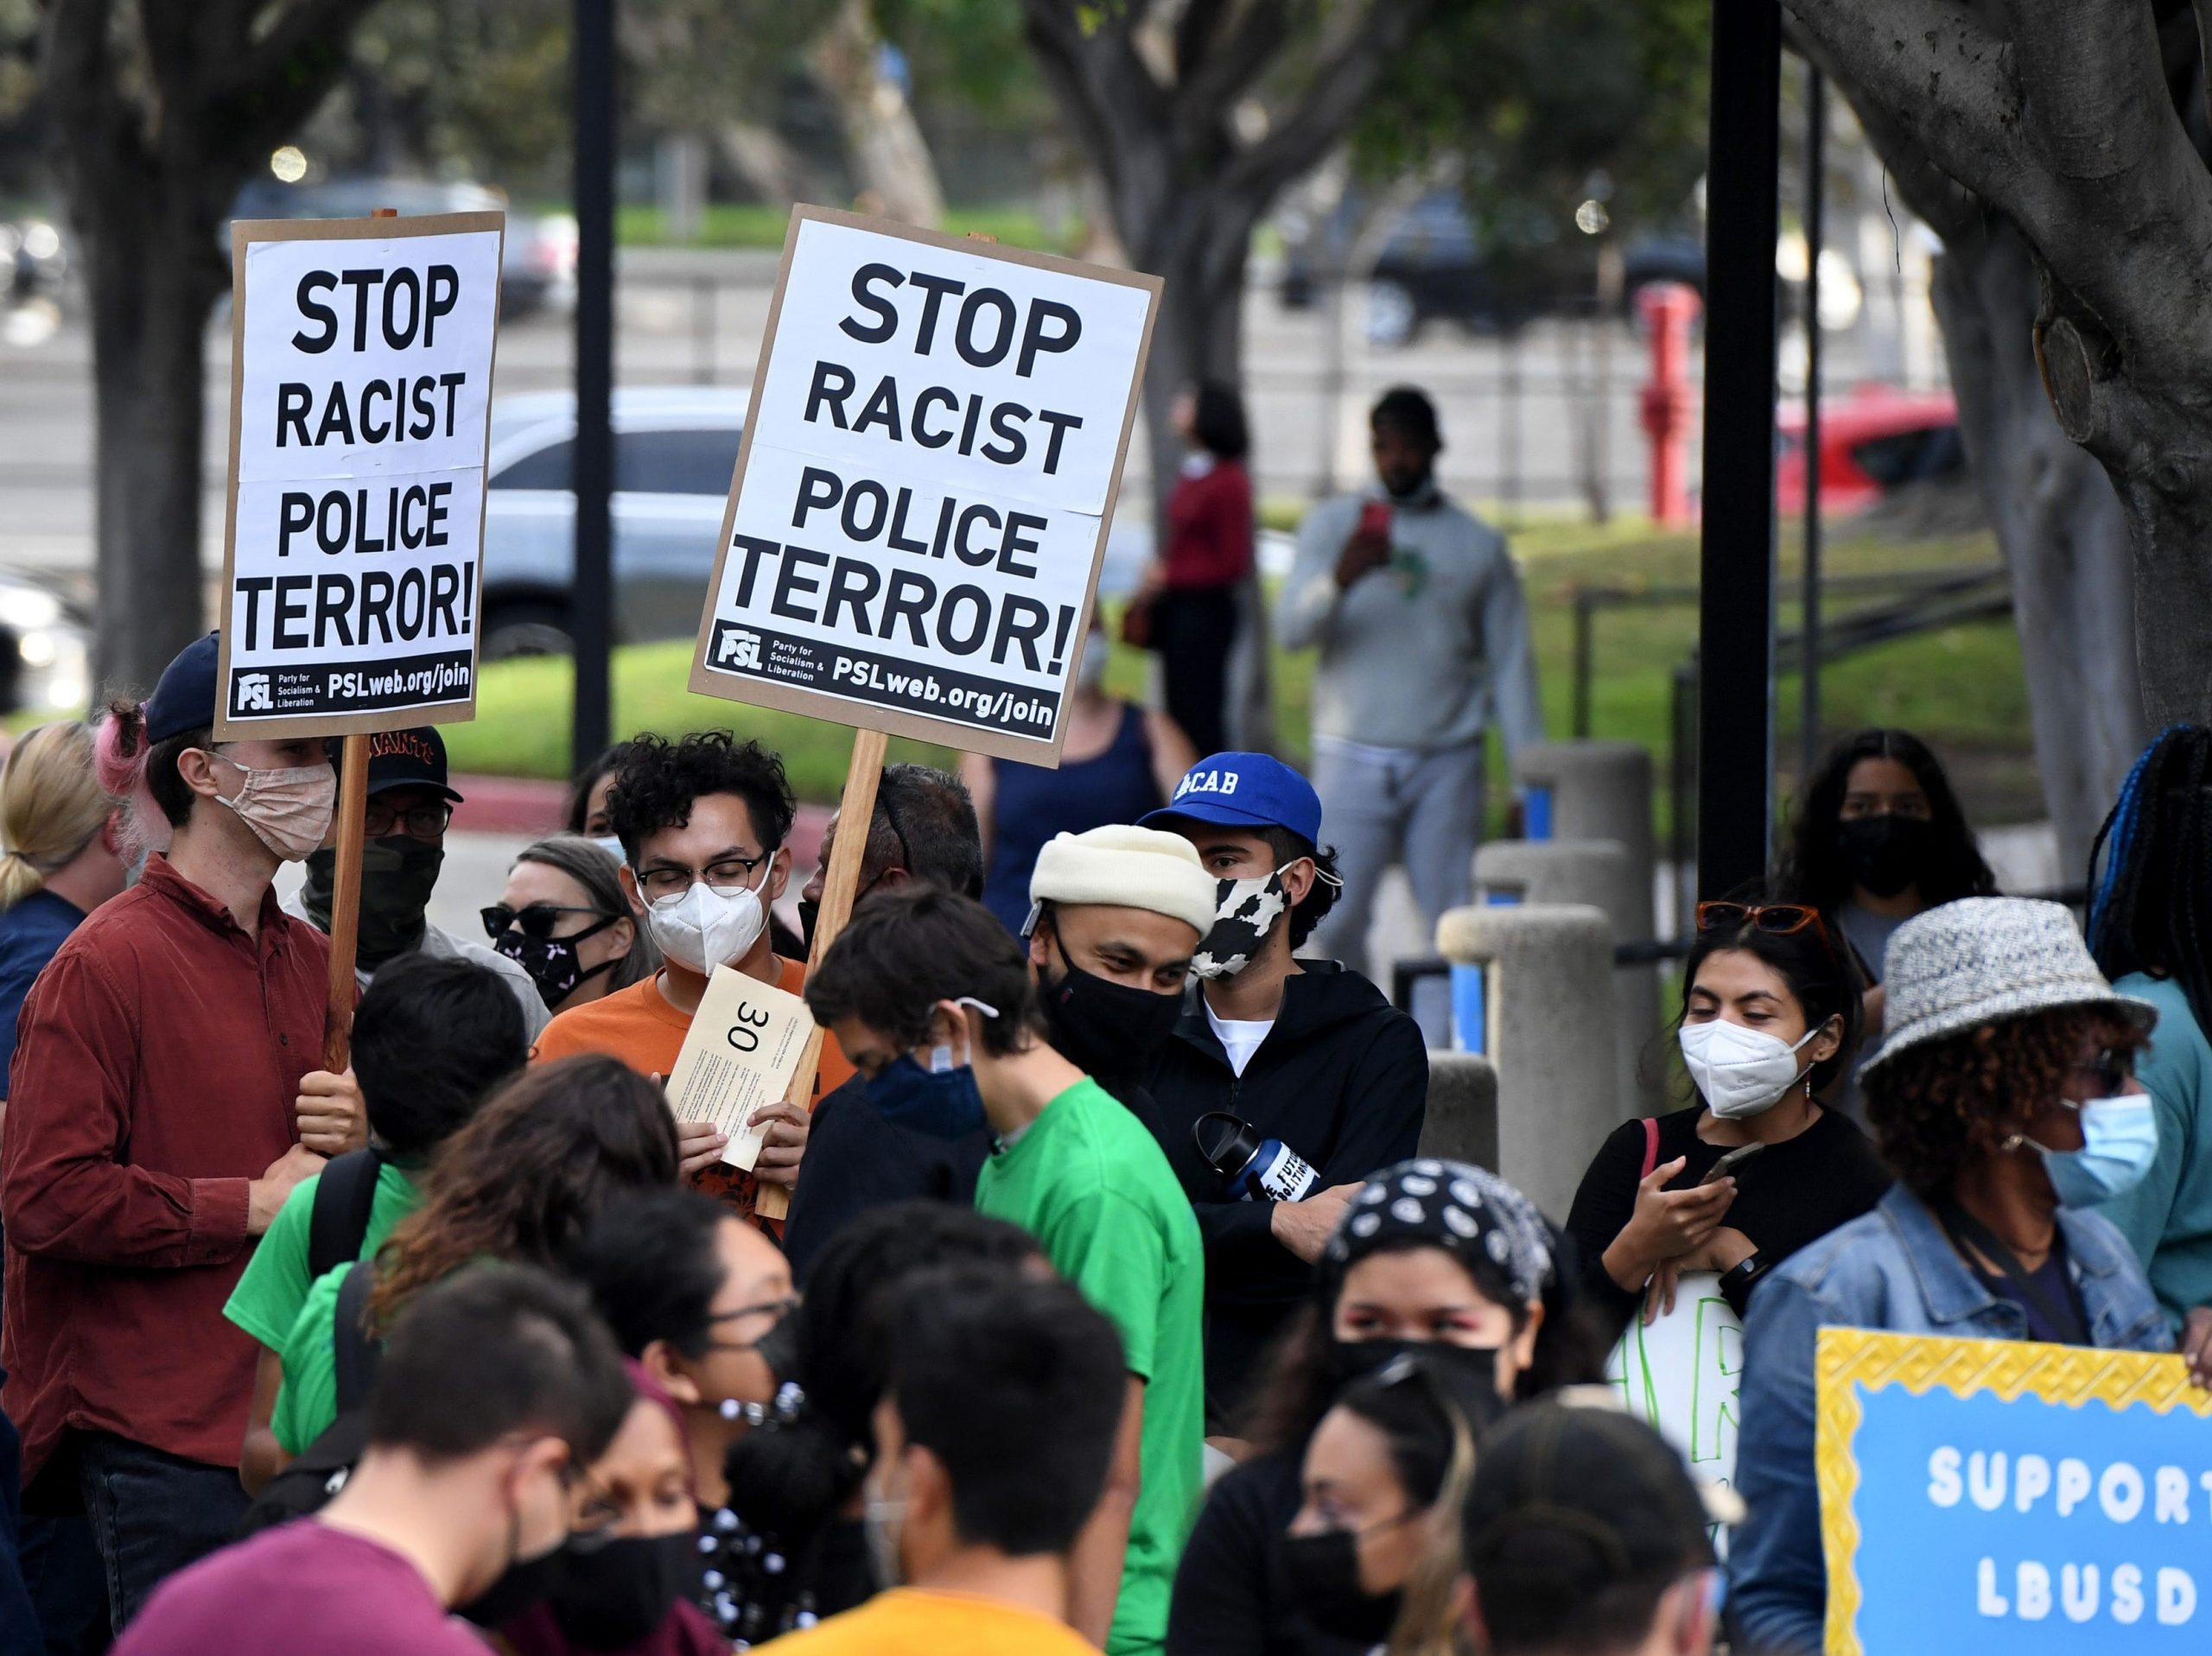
(1428, 1614)
(51, 805)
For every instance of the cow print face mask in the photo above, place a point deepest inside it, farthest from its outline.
(1244, 918)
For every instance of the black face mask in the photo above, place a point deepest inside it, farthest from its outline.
(1887, 854)
(397, 874)
(1323, 1576)
(809, 912)
(1351, 1360)
(552, 962)
(1108, 1029)
(612, 1593)
(525, 1584)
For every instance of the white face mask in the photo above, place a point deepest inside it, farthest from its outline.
(289, 810)
(883, 1522)
(1741, 1071)
(704, 928)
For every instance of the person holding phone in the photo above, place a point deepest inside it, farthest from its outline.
(1756, 1168)
(1417, 611)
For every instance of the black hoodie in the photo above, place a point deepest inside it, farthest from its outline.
(1342, 1080)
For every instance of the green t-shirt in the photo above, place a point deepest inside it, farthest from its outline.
(267, 1301)
(1090, 1183)
(308, 1401)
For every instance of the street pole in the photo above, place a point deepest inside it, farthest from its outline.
(1736, 559)
(592, 592)
(1816, 124)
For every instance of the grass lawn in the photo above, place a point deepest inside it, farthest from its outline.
(1960, 687)
(731, 224)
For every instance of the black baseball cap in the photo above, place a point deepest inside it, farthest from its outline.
(414, 758)
(1567, 1501)
(185, 698)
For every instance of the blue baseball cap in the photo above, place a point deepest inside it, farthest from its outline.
(1243, 790)
(185, 698)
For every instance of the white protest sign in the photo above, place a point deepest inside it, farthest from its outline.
(743, 1046)
(936, 439)
(1681, 1372)
(360, 402)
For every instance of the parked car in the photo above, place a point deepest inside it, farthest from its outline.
(1873, 443)
(537, 271)
(1436, 265)
(45, 648)
(675, 451)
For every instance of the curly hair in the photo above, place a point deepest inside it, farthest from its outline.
(657, 781)
(527, 1175)
(1938, 1107)
(1812, 869)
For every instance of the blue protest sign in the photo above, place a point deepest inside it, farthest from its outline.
(2056, 1497)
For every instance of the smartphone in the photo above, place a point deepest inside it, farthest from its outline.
(1375, 518)
(1728, 1164)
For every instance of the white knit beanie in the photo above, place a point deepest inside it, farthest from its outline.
(1123, 866)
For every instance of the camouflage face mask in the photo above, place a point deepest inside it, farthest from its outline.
(1246, 915)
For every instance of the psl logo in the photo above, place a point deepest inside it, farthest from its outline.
(742, 649)
(253, 692)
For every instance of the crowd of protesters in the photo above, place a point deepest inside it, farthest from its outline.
(1117, 1304)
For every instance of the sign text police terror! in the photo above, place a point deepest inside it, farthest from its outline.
(936, 439)
(359, 407)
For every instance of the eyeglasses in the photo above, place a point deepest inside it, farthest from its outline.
(416, 821)
(2111, 1070)
(775, 1309)
(725, 876)
(1776, 919)
(533, 920)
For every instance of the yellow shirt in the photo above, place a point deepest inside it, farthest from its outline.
(908, 1622)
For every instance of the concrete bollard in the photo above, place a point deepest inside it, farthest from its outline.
(1595, 790)
(1545, 972)
(1595, 872)
(1461, 1125)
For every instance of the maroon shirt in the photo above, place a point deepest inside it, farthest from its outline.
(158, 1058)
(1210, 527)
(300, 1587)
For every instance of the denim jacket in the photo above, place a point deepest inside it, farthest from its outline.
(1891, 1268)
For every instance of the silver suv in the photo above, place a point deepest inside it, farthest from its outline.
(675, 450)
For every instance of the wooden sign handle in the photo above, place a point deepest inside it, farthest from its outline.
(841, 881)
(345, 881)
(345, 900)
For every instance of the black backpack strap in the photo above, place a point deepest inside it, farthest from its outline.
(345, 1195)
(356, 1354)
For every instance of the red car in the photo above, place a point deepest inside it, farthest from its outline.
(1873, 441)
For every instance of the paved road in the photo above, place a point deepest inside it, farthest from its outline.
(1509, 410)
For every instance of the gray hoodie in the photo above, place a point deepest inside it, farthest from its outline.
(1416, 654)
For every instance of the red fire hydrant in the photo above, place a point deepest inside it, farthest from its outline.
(1669, 308)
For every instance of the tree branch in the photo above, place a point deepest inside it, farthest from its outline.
(1300, 136)
(1932, 194)
(281, 79)
(1212, 83)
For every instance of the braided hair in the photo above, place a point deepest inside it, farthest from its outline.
(2151, 906)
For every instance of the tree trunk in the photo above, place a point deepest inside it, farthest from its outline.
(148, 369)
(2061, 529)
(890, 157)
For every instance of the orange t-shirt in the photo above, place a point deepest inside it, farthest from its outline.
(638, 1025)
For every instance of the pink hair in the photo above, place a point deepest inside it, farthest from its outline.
(119, 751)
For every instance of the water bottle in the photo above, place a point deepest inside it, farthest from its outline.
(1254, 1169)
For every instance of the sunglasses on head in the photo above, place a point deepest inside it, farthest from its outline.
(533, 920)
(1778, 919)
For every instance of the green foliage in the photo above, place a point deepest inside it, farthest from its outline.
(1533, 100)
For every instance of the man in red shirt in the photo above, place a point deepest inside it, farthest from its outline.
(166, 1096)
(497, 1391)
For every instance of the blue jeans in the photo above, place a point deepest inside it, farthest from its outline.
(1379, 805)
(152, 1513)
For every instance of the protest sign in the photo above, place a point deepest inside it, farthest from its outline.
(1681, 1372)
(1994, 1493)
(360, 401)
(744, 1045)
(928, 466)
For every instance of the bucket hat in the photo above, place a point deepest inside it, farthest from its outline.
(1982, 959)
